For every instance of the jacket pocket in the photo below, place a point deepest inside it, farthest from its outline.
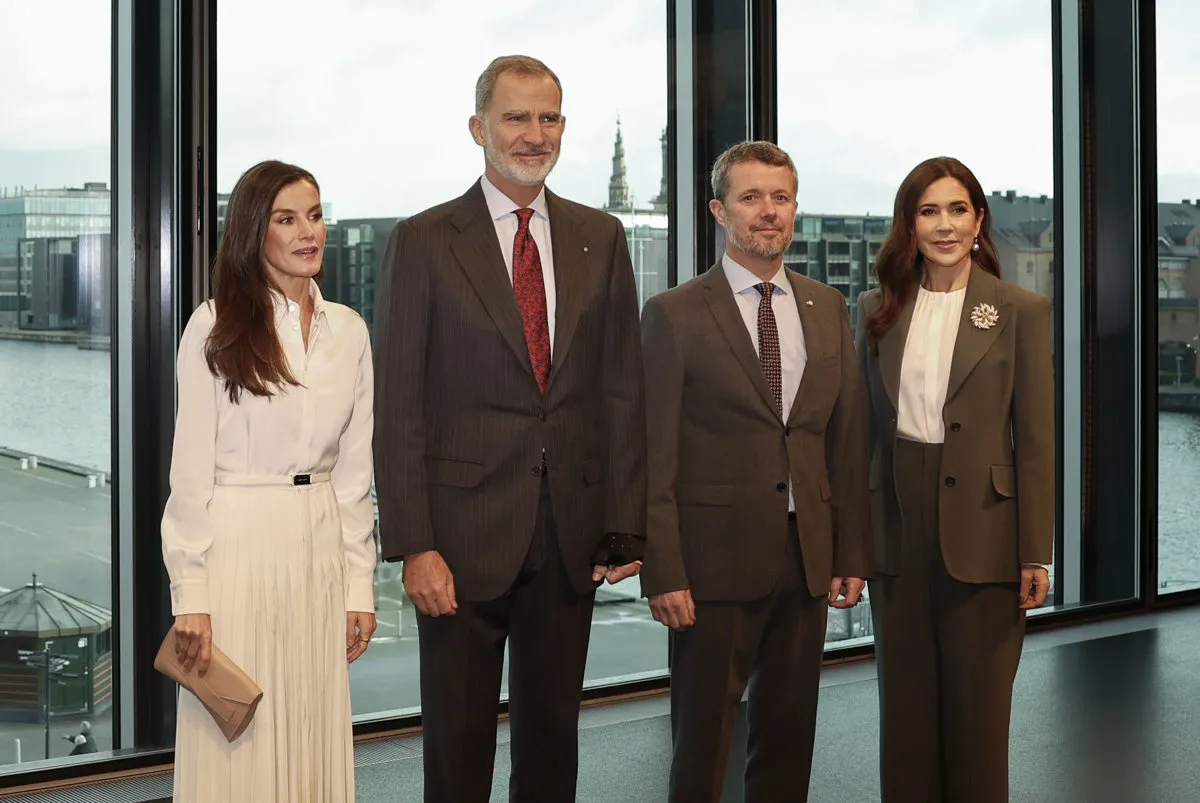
(704, 493)
(823, 487)
(455, 473)
(1004, 480)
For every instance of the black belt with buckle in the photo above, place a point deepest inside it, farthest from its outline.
(302, 479)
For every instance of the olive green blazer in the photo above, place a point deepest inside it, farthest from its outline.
(996, 498)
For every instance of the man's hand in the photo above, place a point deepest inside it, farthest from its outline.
(193, 641)
(849, 588)
(429, 583)
(675, 609)
(1035, 585)
(615, 574)
(360, 625)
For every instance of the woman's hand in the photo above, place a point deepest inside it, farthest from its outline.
(360, 627)
(193, 641)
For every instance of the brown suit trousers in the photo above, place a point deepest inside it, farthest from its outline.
(947, 655)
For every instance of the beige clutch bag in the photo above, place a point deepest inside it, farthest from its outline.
(226, 691)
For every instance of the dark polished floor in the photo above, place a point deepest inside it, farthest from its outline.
(1103, 713)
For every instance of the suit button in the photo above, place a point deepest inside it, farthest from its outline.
(536, 471)
(781, 486)
(949, 482)
(542, 418)
(955, 427)
(787, 430)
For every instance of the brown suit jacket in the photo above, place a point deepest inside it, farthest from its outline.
(721, 455)
(999, 423)
(460, 422)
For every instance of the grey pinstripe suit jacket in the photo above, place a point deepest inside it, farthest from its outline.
(460, 423)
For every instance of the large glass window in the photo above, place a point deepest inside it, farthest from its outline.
(56, 645)
(869, 90)
(379, 115)
(1178, 295)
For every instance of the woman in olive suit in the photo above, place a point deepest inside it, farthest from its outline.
(959, 374)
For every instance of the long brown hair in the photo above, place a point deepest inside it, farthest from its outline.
(898, 266)
(243, 348)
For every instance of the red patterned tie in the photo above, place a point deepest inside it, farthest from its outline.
(530, 290)
(768, 343)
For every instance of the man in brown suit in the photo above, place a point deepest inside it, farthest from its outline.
(758, 507)
(510, 443)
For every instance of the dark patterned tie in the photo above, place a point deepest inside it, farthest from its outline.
(768, 343)
(530, 290)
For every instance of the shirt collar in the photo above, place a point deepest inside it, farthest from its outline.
(741, 279)
(500, 204)
(280, 302)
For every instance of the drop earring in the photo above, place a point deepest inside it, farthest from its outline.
(976, 246)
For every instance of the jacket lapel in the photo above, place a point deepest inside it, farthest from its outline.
(973, 342)
(478, 253)
(570, 244)
(813, 325)
(719, 296)
(891, 350)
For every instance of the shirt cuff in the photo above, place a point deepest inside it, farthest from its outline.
(360, 596)
(189, 596)
(619, 549)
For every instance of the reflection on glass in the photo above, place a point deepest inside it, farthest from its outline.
(1178, 296)
(392, 146)
(911, 85)
(56, 638)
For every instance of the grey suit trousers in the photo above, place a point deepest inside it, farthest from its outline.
(546, 625)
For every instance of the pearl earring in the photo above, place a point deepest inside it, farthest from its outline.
(976, 246)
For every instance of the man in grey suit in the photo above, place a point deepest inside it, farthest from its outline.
(758, 500)
(510, 443)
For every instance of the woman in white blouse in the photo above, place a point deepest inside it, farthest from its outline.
(268, 535)
(959, 374)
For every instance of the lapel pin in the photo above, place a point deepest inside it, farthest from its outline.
(809, 302)
(585, 249)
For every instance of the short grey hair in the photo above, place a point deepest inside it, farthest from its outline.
(521, 65)
(751, 151)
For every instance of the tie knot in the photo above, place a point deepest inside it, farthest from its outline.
(766, 289)
(523, 216)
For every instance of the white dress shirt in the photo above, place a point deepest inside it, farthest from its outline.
(793, 355)
(322, 425)
(925, 369)
(504, 216)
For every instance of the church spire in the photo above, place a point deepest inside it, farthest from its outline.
(660, 203)
(618, 185)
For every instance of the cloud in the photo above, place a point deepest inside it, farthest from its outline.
(373, 95)
(379, 113)
(56, 96)
(868, 90)
(1178, 101)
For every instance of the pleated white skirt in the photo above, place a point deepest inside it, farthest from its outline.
(277, 590)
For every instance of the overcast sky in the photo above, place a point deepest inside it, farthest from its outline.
(377, 106)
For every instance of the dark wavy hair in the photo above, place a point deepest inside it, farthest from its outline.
(243, 348)
(898, 266)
